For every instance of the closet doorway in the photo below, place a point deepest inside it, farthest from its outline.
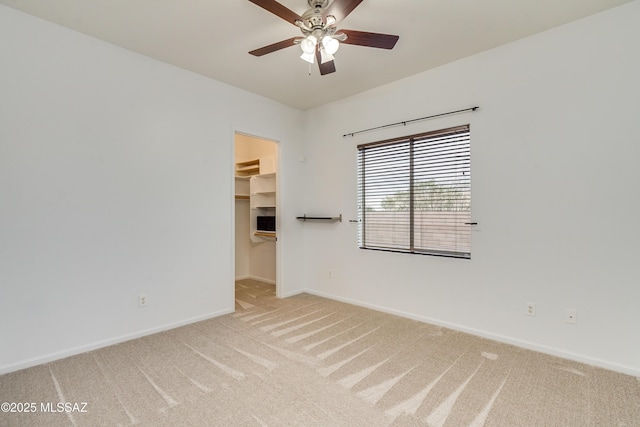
(256, 210)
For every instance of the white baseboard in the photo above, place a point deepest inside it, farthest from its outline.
(624, 369)
(297, 292)
(105, 343)
(260, 279)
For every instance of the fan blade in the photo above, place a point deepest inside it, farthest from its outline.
(326, 68)
(277, 9)
(341, 8)
(274, 47)
(362, 38)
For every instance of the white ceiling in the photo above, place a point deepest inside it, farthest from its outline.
(212, 37)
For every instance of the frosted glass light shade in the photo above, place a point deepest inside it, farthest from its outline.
(309, 57)
(308, 45)
(330, 44)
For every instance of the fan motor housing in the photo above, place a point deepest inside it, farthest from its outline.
(315, 4)
(314, 16)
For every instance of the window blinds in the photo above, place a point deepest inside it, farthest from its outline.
(414, 193)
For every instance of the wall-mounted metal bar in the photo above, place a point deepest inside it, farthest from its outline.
(404, 123)
(306, 217)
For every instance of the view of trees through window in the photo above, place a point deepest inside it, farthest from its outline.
(429, 196)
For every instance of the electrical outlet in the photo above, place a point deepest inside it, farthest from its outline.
(330, 274)
(571, 316)
(142, 301)
(531, 309)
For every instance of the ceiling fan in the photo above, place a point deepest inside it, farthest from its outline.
(321, 38)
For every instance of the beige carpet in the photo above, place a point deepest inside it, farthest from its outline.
(309, 361)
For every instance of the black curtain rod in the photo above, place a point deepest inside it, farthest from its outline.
(410, 121)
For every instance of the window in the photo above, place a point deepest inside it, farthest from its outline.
(414, 194)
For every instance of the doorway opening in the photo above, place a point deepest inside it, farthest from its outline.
(256, 212)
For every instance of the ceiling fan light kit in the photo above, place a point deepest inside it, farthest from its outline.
(308, 44)
(321, 37)
(330, 45)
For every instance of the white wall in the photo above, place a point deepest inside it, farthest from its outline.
(555, 180)
(116, 180)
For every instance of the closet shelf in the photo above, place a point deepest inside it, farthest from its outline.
(306, 217)
(248, 168)
(265, 233)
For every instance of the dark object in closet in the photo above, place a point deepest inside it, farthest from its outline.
(266, 223)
